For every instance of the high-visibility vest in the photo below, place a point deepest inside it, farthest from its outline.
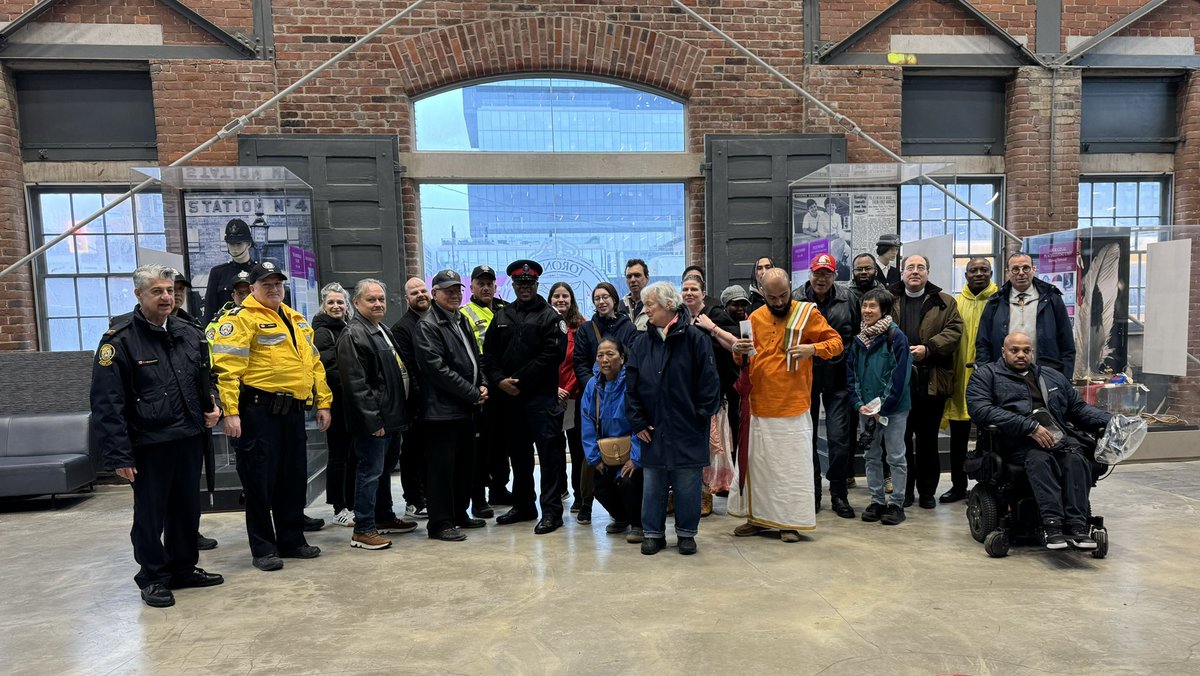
(480, 318)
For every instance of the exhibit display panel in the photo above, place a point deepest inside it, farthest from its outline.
(230, 220)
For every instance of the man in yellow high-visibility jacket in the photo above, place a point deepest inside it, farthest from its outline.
(268, 373)
(491, 453)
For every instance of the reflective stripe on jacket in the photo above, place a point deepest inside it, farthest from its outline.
(253, 347)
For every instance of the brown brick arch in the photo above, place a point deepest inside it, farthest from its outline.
(560, 44)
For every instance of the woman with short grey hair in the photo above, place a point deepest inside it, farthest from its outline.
(672, 390)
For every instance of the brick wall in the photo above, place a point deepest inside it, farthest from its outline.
(194, 99)
(868, 95)
(1185, 392)
(232, 15)
(18, 323)
(840, 18)
(1042, 151)
(1176, 18)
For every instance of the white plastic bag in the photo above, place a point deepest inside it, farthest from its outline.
(873, 407)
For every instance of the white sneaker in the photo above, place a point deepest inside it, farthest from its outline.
(344, 518)
(416, 511)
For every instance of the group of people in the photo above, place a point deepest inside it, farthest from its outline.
(457, 396)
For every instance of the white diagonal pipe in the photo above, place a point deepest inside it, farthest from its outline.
(231, 129)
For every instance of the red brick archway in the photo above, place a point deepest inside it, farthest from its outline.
(563, 44)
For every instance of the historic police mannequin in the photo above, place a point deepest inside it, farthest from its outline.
(222, 277)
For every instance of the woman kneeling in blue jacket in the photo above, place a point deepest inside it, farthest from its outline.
(618, 487)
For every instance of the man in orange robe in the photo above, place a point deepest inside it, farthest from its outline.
(775, 486)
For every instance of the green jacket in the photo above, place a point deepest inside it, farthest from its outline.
(881, 369)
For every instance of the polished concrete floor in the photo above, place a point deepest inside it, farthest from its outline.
(854, 598)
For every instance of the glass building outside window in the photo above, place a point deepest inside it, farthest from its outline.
(926, 212)
(87, 278)
(582, 233)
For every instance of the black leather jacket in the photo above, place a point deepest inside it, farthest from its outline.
(326, 331)
(405, 332)
(844, 316)
(526, 341)
(150, 385)
(373, 394)
(448, 365)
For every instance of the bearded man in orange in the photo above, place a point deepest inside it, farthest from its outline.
(774, 489)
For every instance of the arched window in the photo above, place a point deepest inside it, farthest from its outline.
(549, 115)
(583, 216)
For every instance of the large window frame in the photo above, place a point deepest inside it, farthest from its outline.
(75, 262)
(953, 217)
(1148, 226)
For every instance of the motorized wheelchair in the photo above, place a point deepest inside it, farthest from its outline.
(1001, 509)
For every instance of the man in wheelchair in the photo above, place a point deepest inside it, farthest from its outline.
(1043, 425)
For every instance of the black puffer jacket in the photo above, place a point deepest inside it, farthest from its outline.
(997, 395)
(149, 386)
(526, 341)
(844, 315)
(326, 331)
(448, 364)
(586, 344)
(373, 394)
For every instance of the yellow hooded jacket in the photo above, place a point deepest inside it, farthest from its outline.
(970, 306)
(253, 347)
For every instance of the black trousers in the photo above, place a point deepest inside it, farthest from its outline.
(621, 497)
(412, 464)
(342, 466)
(837, 437)
(532, 420)
(491, 449)
(582, 483)
(1061, 481)
(384, 503)
(960, 437)
(921, 444)
(272, 463)
(449, 466)
(166, 509)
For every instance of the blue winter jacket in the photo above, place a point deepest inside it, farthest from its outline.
(612, 421)
(882, 369)
(1055, 335)
(672, 386)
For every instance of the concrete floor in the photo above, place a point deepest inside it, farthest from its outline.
(855, 598)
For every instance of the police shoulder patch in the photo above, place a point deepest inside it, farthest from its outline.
(105, 354)
(226, 329)
(210, 334)
(562, 325)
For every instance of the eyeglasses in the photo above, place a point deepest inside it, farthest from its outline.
(1021, 268)
(915, 268)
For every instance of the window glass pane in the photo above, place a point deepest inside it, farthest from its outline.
(910, 202)
(55, 212)
(93, 296)
(91, 253)
(1103, 199)
(1150, 197)
(1127, 201)
(59, 297)
(120, 219)
(580, 233)
(64, 334)
(120, 295)
(910, 231)
(156, 242)
(547, 114)
(149, 212)
(122, 253)
(85, 204)
(1085, 199)
(933, 214)
(91, 330)
(60, 259)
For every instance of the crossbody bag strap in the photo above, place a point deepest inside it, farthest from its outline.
(596, 330)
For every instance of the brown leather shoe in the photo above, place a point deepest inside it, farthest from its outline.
(747, 529)
(706, 502)
(371, 540)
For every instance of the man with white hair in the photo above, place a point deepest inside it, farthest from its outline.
(774, 487)
(156, 442)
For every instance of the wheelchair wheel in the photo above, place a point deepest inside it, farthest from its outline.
(996, 544)
(1100, 535)
(982, 512)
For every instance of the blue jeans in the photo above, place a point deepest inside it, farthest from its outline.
(370, 451)
(686, 484)
(893, 436)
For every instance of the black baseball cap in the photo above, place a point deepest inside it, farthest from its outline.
(446, 279)
(181, 279)
(266, 269)
(483, 271)
(243, 277)
(236, 230)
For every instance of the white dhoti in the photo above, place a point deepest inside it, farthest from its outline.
(778, 489)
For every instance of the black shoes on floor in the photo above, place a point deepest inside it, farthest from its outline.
(204, 544)
(953, 495)
(515, 515)
(841, 507)
(547, 526)
(158, 596)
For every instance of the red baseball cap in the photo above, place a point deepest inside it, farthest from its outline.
(824, 262)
